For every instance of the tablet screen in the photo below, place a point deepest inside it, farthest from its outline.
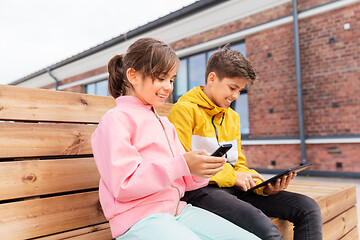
(273, 179)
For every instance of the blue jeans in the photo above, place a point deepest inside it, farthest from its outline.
(250, 211)
(192, 224)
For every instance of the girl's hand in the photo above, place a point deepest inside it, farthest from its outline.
(280, 184)
(246, 180)
(201, 164)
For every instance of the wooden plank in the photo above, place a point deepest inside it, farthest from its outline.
(97, 232)
(340, 225)
(329, 200)
(30, 104)
(285, 228)
(336, 203)
(41, 217)
(21, 179)
(98, 235)
(44, 139)
(333, 200)
(20, 103)
(333, 229)
(352, 235)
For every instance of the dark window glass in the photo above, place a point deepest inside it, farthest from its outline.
(196, 70)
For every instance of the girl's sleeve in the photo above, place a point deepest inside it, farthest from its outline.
(192, 182)
(126, 173)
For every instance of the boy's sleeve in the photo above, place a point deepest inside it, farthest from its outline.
(183, 121)
(226, 177)
(241, 164)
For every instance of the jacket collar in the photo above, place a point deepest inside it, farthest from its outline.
(131, 100)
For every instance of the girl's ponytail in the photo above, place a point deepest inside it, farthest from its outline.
(118, 84)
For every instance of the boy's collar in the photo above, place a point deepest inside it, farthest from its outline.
(214, 109)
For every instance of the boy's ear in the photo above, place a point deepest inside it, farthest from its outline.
(211, 78)
(132, 76)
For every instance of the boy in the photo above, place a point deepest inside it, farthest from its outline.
(204, 120)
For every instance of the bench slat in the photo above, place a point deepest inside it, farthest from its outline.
(329, 201)
(340, 225)
(44, 139)
(40, 217)
(352, 235)
(97, 232)
(30, 104)
(40, 177)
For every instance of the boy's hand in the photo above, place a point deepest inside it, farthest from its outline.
(246, 180)
(280, 184)
(201, 164)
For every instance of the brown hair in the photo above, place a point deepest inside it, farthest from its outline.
(149, 56)
(230, 63)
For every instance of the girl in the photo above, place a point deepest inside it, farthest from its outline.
(143, 166)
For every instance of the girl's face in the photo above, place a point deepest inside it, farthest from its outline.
(154, 92)
(223, 92)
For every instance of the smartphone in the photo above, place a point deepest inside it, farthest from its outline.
(222, 150)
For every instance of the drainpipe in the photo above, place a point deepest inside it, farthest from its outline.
(56, 80)
(298, 83)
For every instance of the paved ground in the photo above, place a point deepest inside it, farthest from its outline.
(350, 181)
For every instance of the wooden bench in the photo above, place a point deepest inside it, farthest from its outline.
(49, 181)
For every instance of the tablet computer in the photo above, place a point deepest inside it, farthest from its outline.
(274, 178)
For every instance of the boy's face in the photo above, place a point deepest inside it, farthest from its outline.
(223, 91)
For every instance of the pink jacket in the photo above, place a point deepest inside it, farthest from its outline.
(139, 175)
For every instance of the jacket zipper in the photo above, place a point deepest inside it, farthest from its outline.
(172, 153)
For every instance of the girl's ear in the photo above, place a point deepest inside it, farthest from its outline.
(132, 76)
(211, 78)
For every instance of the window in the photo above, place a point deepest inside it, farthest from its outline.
(196, 69)
(191, 73)
(97, 88)
(181, 82)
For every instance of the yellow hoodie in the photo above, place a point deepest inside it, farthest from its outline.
(201, 124)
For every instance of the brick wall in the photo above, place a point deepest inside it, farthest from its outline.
(262, 156)
(325, 157)
(330, 62)
(330, 67)
(243, 23)
(273, 98)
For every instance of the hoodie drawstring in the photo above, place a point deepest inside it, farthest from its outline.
(222, 119)
(216, 132)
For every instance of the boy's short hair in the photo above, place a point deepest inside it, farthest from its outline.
(230, 63)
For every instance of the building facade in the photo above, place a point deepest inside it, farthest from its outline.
(329, 53)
